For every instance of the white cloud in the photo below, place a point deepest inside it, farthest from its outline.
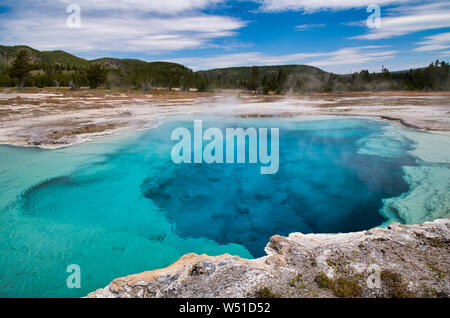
(131, 30)
(408, 19)
(153, 6)
(341, 59)
(434, 43)
(358, 56)
(303, 27)
(317, 5)
(159, 6)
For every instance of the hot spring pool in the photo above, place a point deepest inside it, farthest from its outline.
(119, 205)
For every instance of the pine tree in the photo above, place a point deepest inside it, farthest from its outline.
(21, 67)
(96, 75)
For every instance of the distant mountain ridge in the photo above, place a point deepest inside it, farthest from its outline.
(62, 58)
(266, 78)
(246, 71)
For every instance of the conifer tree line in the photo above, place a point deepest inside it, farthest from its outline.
(108, 73)
(285, 79)
(133, 73)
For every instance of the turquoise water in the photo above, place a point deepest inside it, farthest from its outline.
(119, 205)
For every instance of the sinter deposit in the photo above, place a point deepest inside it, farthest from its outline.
(397, 261)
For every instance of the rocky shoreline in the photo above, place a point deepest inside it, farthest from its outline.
(396, 261)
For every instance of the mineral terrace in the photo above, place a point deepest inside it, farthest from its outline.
(397, 261)
(50, 118)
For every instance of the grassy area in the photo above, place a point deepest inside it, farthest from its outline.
(266, 292)
(395, 285)
(341, 286)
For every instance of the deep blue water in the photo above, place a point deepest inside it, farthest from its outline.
(117, 207)
(323, 186)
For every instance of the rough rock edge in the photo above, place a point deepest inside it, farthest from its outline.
(413, 261)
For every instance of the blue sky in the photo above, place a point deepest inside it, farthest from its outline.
(204, 34)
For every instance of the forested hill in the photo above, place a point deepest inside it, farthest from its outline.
(268, 78)
(22, 65)
(303, 78)
(49, 67)
(51, 58)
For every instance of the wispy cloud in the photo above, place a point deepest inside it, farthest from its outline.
(358, 56)
(435, 43)
(169, 7)
(309, 6)
(408, 19)
(303, 27)
(344, 58)
(129, 30)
